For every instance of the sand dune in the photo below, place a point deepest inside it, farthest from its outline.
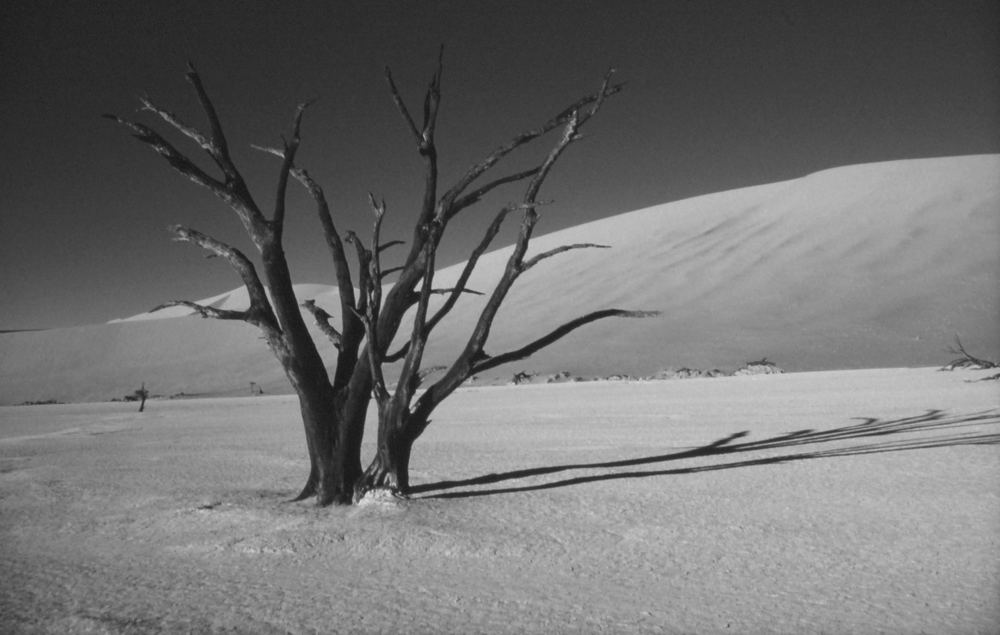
(875, 265)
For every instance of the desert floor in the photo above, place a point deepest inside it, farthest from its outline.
(835, 502)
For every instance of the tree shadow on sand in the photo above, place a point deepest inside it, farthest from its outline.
(874, 432)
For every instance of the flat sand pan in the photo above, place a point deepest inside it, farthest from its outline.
(835, 502)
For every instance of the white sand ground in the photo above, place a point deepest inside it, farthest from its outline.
(833, 502)
(865, 266)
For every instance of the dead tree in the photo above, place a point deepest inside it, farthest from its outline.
(967, 360)
(142, 394)
(333, 408)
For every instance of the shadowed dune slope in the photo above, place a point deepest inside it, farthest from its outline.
(875, 265)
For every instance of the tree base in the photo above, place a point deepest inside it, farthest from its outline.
(330, 495)
(379, 478)
(336, 497)
(379, 495)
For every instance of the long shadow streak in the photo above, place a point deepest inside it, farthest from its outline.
(867, 428)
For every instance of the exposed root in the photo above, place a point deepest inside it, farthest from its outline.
(379, 495)
(309, 489)
(307, 492)
(378, 482)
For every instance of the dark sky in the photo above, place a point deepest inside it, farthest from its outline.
(720, 95)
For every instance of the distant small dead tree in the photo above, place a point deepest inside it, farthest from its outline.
(333, 408)
(141, 395)
(967, 360)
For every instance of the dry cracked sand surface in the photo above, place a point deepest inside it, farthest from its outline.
(832, 502)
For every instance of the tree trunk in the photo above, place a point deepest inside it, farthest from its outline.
(390, 469)
(334, 467)
(318, 418)
(345, 466)
(334, 462)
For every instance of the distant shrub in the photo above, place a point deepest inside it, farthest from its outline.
(521, 377)
(562, 377)
(759, 367)
(688, 373)
(621, 377)
(42, 402)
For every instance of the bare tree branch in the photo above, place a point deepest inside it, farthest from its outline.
(398, 355)
(206, 311)
(287, 163)
(391, 270)
(515, 262)
(375, 361)
(391, 243)
(409, 375)
(239, 262)
(364, 271)
(570, 134)
(218, 146)
(233, 190)
(432, 100)
(428, 152)
(189, 131)
(352, 329)
(528, 264)
(260, 312)
(323, 322)
(475, 196)
(602, 95)
(371, 300)
(401, 106)
(472, 355)
(470, 265)
(375, 258)
(278, 152)
(424, 136)
(341, 267)
(525, 137)
(175, 158)
(333, 240)
(454, 290)
(553, 336)
(430, 370)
